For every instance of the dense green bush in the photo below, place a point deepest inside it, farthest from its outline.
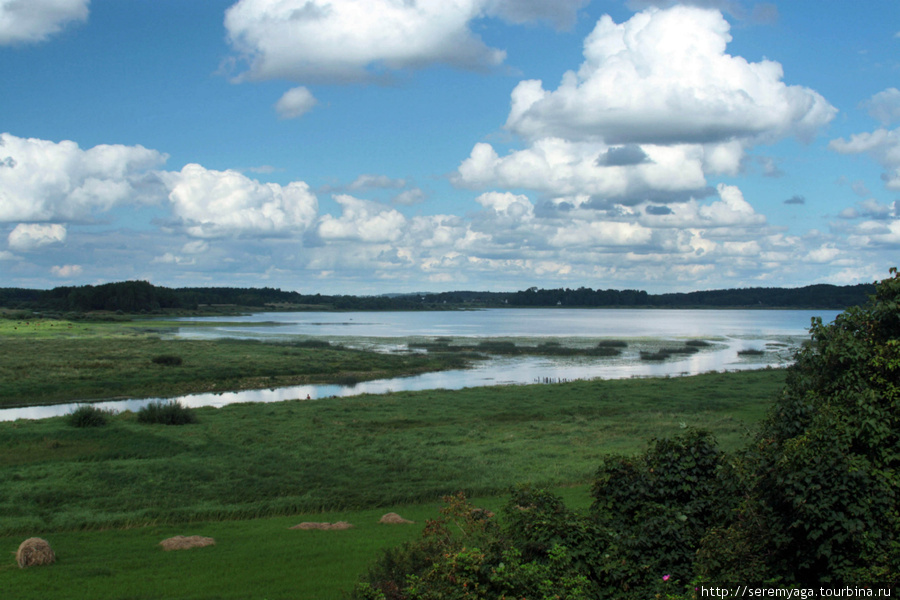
(166, 413)
(88, 416)
(468, 554)
(167, 360)
(821, 503)
(656, 508)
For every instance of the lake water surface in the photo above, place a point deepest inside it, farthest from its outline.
(778, 333)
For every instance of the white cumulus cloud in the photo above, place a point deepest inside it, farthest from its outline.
(227, 203)
(884, 106)
(42, 180)
(656, 106)
(882, 145)
(66, 271)
(560, 167)
(351, 40)
(30, 21)
(664, 77)
(295, 102)
(362, 220)
(30, 236)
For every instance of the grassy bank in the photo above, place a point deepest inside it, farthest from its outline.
(50, 361)
(251, 460)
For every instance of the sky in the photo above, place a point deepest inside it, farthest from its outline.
(385, 146)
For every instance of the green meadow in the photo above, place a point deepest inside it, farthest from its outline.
(105, 496)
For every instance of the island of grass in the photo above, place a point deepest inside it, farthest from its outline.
(49, 361)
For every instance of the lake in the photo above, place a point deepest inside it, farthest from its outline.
(777, 334)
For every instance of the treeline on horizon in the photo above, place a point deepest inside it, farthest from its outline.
(141, 296)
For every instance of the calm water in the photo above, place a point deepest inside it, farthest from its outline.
(600, 323)
(777, 332)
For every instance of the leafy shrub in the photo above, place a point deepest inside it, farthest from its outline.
(167, 360)
(656, 508)
(166, 413)
(468, 554)
(821, 502)
(88, 416)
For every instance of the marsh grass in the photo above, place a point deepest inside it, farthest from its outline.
(166, 413)
(55, 362)
(604, 348)
(252, 460)
(689, 347)
(88, 416)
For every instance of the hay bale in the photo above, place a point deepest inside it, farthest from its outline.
(181, 542)
(34, 552)
(394, 519)
(323, 526)
(482, 514)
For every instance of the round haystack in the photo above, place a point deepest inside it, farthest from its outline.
(324, 526)
(181, 542)
(34, 552)
(394, 519)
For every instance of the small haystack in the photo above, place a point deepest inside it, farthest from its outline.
(394, 519)
(325, 526)
(34, 552)
(181, 542)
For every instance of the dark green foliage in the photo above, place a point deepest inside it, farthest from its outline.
(666, 353)
(166, 413)
(656, 508)
(168, 360)
(751, 352)
(468, 553)
(141, 296)
(697, 343)
(612, 344)
(813, 296)
(88, 416)
(822, 503)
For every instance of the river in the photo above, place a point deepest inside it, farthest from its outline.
(773, 335)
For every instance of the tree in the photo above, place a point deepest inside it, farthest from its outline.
(821, 494)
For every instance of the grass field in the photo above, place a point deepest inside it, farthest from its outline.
(106, 496)
(249, 460)
(258, 559)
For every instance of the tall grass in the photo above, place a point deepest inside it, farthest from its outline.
(252, 460)
(88, 416)
(166, 413)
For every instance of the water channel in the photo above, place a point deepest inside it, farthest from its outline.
(772, 335)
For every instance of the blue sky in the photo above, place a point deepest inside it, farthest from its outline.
(373, 146)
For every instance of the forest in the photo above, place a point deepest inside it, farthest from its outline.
(143, 297)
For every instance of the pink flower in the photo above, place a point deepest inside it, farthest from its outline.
(666, 577)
